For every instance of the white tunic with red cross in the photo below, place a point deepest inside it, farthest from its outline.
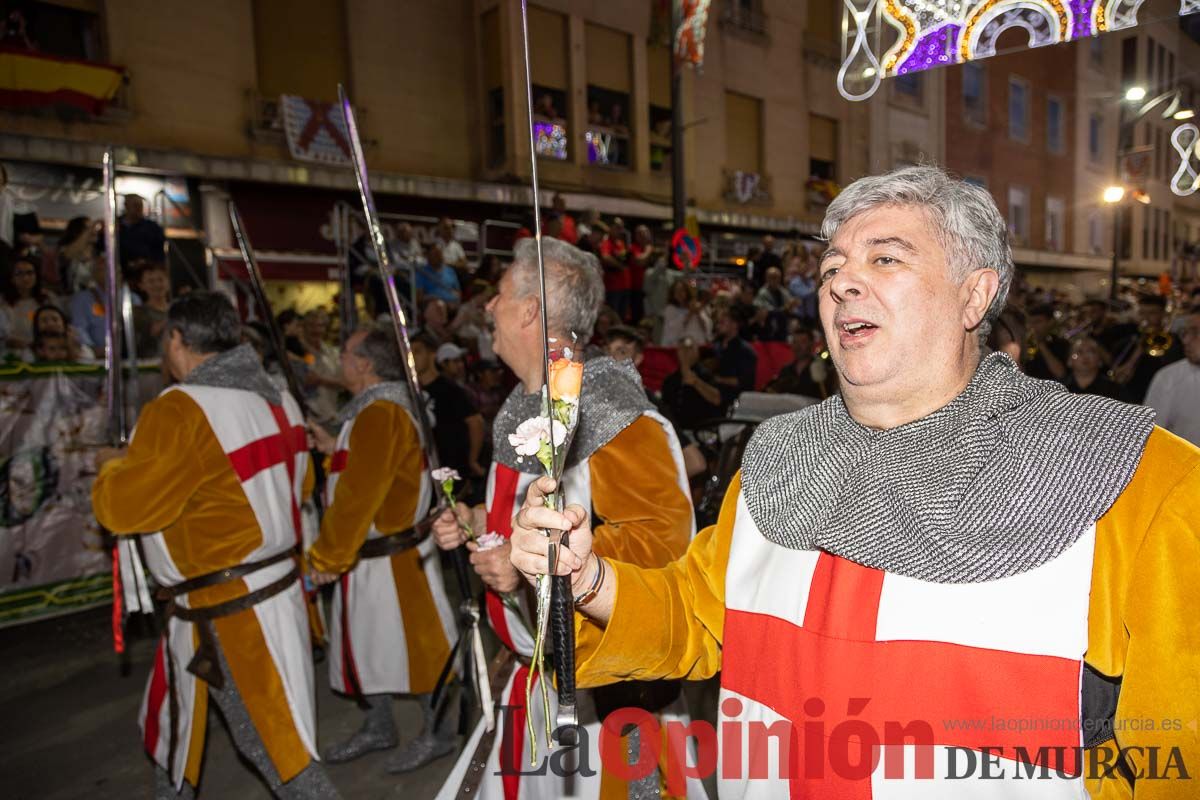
(366, 626)
(266, 447)
(506, 491)
(892, 687)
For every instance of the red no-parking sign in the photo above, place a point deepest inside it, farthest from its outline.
(685, 250)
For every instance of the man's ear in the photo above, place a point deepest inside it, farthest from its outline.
(977, 292)
(531, 311)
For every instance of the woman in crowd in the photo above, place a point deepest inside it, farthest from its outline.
(685, 317)
(22, 295)
(149, 319)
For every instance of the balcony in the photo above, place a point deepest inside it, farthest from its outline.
(744, 18)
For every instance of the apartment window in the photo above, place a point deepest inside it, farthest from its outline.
(825, 21)
(550, 83)
(1161, 73)
(746, 15)
(1095, 233)
(974, 93)
(1095, 136)
(1151, 72)
(1018, 214)
(56, 30)
(658, 67)
(1018, 109)
(1056, 221)
(302, 54)
(493, 85)
(1096, 51)
(1055, 113)
(910, 87)
(609, 82)
(743, 133)
(822, 148)
(1129, 53)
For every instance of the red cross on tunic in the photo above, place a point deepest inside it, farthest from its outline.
(278, 448)
(835, 658)
(499, 519)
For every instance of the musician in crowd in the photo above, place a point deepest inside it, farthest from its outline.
(1045, 351)
(1087, 374)
(1147, 351)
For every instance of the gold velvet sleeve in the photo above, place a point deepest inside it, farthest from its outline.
(1142, 621)
(646, 517)
(666, 622)
(147, 490)
(381, 436)
(310, 478)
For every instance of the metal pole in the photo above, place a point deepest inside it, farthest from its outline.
(1116, 256)
(678, 196)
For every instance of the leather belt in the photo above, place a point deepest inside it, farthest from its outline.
(204, 664)
(391, 544)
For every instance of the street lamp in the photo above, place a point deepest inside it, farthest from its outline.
(1113, 195)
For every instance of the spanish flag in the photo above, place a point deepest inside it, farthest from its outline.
(29, 78)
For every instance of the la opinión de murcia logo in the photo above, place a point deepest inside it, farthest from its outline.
(853, 749)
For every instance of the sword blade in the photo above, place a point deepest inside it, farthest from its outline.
(264, 306)
(561, 623)
(115, 384)
(383, 262)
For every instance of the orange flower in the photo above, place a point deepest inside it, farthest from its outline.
(566, 378)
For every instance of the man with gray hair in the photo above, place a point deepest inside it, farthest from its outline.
(213, 482)
(974, 574)
(390, 622)
(647, 521)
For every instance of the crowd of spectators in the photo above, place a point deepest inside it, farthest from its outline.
(53, 294)
(702, 340)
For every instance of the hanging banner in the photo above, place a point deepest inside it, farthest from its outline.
(52, 554)
(689, 38)
(316, 132)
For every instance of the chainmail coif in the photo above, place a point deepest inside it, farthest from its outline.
(611, 399)
(1002, 479)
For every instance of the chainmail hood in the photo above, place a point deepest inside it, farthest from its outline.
(390, 391)
(239, 368)
(612, 399)
(1002, 479)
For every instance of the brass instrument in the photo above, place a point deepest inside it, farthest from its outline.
(1157, 343)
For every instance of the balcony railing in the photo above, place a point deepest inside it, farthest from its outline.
(738, 17)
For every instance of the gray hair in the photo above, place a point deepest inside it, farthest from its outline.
(964, 217)
(380, 348)
(573, 284)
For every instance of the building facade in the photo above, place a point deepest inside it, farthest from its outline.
(439, 87)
